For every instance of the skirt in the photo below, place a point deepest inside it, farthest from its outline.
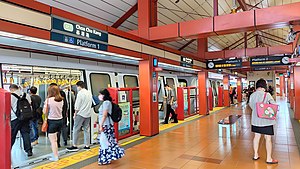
(267, 130)
(113, 151)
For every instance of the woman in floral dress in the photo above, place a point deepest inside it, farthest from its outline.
(109, 148)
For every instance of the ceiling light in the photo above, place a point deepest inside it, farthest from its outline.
(10, 35)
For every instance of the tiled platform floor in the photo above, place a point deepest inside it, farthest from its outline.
(197, 145)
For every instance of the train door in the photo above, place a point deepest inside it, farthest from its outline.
(129, 81)
(97, 81)
(215, 93)
(161, 94)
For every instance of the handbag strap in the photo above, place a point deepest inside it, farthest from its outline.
(264, 97)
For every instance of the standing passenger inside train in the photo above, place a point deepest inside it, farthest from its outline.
(82, 116)
(170, 100)
(16, 124)
(37, 112)
(53, 115)
(109, 149)
(259, 125)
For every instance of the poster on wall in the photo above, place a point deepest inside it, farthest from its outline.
(124, 124)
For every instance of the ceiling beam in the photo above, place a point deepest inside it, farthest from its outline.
(273, 35)
(243, 5)
(123, 18)
(234, 43)
(272, 39)
(216, 7)
(228, 24)
(253, 6)
(187, 44)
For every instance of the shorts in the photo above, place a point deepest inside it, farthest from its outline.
(54, 126)
(267, 130)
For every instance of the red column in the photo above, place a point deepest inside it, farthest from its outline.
(203, 98)
(297, 92)
(149, 122)
(5, 129)
(289, 90)
(292, 94)
(239, 90)
(147, 16)
(220, 96)
(202, 47)
(281, 79)
(226, 90)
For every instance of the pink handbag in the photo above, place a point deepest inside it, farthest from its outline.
(266, 111)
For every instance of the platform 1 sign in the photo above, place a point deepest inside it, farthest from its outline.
(224, 64)
(77, 41)
(269, 61)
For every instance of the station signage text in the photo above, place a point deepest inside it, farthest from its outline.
(269, 61)
(224, 64)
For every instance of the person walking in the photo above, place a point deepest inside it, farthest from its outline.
(259, 125)
(82, 116)
(109, 149)
(53, 115)
(170, 100)
(37, 112)
(16, 124)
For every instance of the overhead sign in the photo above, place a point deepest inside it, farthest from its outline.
(78, 34)
(77, 41)
(221, 64)
(186, 62)
(270, 61)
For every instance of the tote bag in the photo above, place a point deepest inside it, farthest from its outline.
(266, 111)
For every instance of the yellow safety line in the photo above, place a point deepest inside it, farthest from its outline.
(81, 156)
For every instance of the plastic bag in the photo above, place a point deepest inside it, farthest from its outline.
(103, 141)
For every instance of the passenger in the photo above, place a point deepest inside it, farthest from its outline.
(82, 116)
(64, 129)
(16, 124)
(259, 125)
(232, 93)
(37, 113)
(251, 90)
(53, 114)
(170, 100)
(109, 149)
(70, 95)
(271, 90)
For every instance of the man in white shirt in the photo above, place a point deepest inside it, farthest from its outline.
(16, 124)
(82, 116)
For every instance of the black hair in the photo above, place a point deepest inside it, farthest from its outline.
(80, 84)
(53, 84)
(106, 95)
(33, 90)
(13, 86)
(261, 83)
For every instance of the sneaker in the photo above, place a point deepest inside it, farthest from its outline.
(34, 143)
(29, 153)
(72, 149)
(86, 148)
(65, 143)
(53, 159)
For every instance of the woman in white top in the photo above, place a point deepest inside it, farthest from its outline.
(109, 148)
(260, 125)
(54, 103)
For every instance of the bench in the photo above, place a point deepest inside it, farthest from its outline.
(231, 120)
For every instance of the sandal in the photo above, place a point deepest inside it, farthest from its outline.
(272, 162)
(255, 158)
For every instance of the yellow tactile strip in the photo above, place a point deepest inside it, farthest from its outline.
(81, 156)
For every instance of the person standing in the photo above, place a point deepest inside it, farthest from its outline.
(109, 149)
(82, 116)
(170, 100)
(37, 112)
(259, 125)
(16, 124)
(53, 115)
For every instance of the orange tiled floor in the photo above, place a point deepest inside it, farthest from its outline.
(197, 145)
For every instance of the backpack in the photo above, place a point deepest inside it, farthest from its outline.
(24, 111)
(116, 113)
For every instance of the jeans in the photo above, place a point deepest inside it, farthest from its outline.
(23, 127)
(78, 122)
(34, 131)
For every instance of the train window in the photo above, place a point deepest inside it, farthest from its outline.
(99, 82)
(130, 81)
(182, 83)
(170, 82)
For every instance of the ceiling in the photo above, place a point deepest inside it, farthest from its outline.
(109, 11)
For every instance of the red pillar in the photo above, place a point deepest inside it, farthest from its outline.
(5, 129)
(288, 89)
(203, 97)
(292, 94)
(149, 122)
(297, 93)
(147, 16)
(281, 79)
(226, 90)
(239, 90)
(202, 47)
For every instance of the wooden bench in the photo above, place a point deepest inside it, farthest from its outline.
(231, 120)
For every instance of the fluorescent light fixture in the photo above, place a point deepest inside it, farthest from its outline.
(10, 35)
(178, 67)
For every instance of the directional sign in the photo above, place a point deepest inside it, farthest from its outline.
(221, 64)
(270, 61)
